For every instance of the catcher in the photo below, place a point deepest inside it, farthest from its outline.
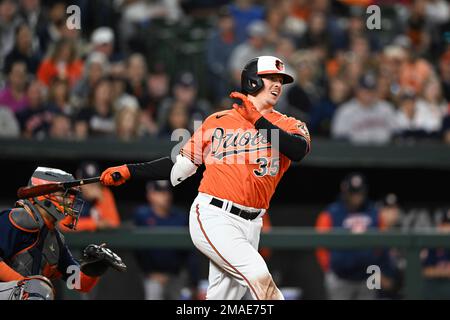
(32, 249)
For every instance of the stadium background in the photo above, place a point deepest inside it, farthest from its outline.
(414, 167)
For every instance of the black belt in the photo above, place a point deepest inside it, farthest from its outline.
(248, 215)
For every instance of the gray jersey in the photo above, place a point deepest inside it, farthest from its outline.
(364, 125)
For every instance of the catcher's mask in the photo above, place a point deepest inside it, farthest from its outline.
(255, 69)
(63, 205)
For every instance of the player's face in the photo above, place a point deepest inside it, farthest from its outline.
(271, 92)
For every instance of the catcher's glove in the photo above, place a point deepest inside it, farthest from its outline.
(96, 260)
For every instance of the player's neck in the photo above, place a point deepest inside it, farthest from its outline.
(261, 106)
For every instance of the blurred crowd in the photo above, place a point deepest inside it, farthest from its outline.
(139, 68)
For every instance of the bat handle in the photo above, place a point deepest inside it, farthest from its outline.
(116, 176)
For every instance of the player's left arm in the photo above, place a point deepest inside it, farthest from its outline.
(294, 144)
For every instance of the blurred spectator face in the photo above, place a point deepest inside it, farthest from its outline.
(59, 91)
(127, 123)
(118, 86)
(407, 105)
(64, 52)
(24, 37)
(226, 23)
(317, 23)
(432, 91)
(8, 9)
(137, 68)
(285, 48)
(61, 127)
(34, 94)
(257, 32)
(354, 200)
(339, 90)
(360, 47)
(160, 199)
(178, 117)
(30, 5)
(103, 40)
(355, 24)
(366, 96)
(275, 18)
(257, 42)
(444, 67)
(95, 72)
(444, 226)
(185, 94)
(57, 14)
(158, 84)
(18, 76)
(102, 97)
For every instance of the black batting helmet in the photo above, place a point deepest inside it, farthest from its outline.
(251, 81)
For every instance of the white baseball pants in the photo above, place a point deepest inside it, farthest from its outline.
(231, 244)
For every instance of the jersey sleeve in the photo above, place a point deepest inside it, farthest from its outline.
(195, 148)
(298, 127)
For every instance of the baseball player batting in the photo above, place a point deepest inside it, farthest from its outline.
(32, 250)
(245, 150)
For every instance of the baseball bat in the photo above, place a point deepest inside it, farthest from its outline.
(35, 191)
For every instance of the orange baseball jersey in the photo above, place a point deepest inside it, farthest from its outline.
(241, 166)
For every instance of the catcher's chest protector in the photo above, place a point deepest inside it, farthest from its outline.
(42, 257)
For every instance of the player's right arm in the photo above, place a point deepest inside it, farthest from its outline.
(185, 165)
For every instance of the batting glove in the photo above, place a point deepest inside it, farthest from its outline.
(247, 110)
(115, 176)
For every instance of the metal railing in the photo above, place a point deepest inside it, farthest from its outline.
(287, 238)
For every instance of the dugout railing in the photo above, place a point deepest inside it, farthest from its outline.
(286, 238)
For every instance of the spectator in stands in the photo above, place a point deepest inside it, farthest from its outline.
(24, 49)
(346, 270)
(185, 93)
(178, 118)
(256, 45)
(95, 68)
(218, 51)
(444, 74)
(102, 41)
(9, 20)
(316, 33)
(99, 211)
(9, 125)
(364, 119)
(63, 63)
(34, 15)
(162, 268)
(14, 96)
(60, 127)
(414, 70)
(55, 23)
(436, 266)
(58, 97)
(35, 119)
(304, 93)
(411, 118)
(97, 119)
(158, 89)
(432, 100)
(128, 119)
(136, 77)
(245, 12)
(322, 112)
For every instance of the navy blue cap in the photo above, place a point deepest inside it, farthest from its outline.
(158, 185)
(368, 81)
(354, 182)
(88, 169)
